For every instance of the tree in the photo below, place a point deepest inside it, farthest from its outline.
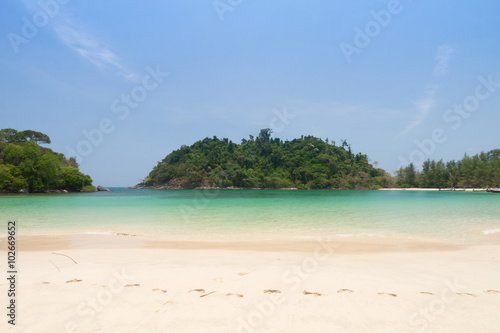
(407, 177)
(8, 135)
(11, 178)
(480, 170)
(11, 135)
(24, 164)
(265, 135)
(74, 180)
(452, 168)
(36, 137)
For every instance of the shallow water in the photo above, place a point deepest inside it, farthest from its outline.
(258, 214)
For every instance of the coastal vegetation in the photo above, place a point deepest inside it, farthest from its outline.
(478, 171)
(266, 162)
(27, 166)
(257, 162)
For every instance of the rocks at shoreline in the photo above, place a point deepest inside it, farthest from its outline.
(178, 186)
(138, 186)
(26, 191)
(54, 191)
(101, 188)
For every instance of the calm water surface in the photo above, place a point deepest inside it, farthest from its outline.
(258, 214)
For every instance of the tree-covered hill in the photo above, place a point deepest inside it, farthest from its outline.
(479, 171)
(25, 165)
(266, 162)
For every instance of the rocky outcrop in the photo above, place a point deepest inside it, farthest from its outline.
(100, 188)
(172, 185)
(139, 186)
(180, 184)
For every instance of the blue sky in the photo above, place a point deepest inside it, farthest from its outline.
(401, 80)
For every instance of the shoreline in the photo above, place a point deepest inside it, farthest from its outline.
(169, 187)
(434, 189)
(130, 236)
(344, 245)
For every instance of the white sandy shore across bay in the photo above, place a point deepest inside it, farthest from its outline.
(131, 284)
(433, 189)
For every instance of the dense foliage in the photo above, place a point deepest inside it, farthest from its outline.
(479, 171)
(10, 135)
(266, 162)
(25, 165)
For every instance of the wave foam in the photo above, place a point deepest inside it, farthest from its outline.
(491, 231)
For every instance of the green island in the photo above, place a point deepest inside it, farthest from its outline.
(25, 166)
(307, 163)
(266, 162)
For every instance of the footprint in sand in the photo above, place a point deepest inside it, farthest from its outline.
(311, 293)
(48, 282)
(132, 285)
(425, 293)
(232, 294)
(242, 274)
(125, 234)
(197, 290)
(165, 307)
(345, 291)
(74, 280)
(492, 292)
(388, 294)
(161, 290)
(210, 293)
(466, 294)
(272, 291)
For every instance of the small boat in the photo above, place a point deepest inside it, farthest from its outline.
(494, 190)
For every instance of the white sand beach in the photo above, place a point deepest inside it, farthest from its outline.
(130, 284)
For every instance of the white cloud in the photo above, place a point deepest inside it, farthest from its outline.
(83, 43)
(443, 58)
(424, 105)
(79, 39)
(431, 90)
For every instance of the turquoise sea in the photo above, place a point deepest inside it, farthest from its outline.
(258, 214)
